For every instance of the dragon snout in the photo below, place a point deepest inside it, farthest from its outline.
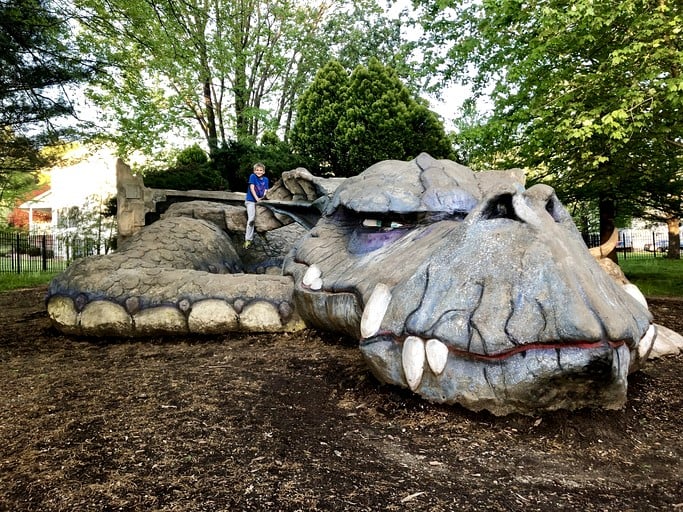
(444, 372)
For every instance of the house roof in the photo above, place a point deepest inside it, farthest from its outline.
(40, 202)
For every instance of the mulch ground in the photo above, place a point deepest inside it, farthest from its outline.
(296, 422)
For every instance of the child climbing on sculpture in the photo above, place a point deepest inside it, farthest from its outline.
(256, 191)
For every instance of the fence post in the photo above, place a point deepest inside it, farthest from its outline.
(17, 252)
(43, 247)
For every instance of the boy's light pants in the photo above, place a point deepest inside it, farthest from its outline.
(251, 216)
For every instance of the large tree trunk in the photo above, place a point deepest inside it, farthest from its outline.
(608, 211)
(674, 228)
(212, 134)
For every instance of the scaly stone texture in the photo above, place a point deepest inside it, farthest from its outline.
(153, 282)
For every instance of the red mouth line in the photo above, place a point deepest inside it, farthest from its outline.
(498, 356)
(582, 345)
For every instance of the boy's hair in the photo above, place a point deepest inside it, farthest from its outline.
(258, 165)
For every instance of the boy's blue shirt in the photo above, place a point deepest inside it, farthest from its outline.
(260, 184)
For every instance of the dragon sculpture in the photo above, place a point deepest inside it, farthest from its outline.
(463, 286)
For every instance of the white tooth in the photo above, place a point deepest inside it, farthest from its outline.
(374, 311)
(316, 284)
(311, 275)
(437, 355)
(646, 342)
(413, 360)
(635, 292)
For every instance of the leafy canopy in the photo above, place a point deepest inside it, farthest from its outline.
(348, 122)
(587, 93)
(222, 70)
(37, 66)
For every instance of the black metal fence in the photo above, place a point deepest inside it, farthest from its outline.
(22, 252)
(637, 244)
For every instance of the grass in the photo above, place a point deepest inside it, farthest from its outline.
(658, 277)
(10, 281)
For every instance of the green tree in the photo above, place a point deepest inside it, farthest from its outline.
(350, 122)
(321, 107)
(582, 93)
(365, 32)
(236, 159)
(207, 66)
(36, 68)
(191, 170)
(227, 70)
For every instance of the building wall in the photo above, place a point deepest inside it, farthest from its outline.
(85, 173)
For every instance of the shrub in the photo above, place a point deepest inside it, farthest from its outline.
(193, 155)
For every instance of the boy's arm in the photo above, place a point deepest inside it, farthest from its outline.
(252, 189)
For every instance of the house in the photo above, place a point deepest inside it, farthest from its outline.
(83, 179)
(34, 211)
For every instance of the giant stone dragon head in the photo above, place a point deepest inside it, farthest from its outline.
(469, 289)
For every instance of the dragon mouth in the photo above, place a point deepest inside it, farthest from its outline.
(414, 354)
(442, 373)
(434, 346)
(417, 354)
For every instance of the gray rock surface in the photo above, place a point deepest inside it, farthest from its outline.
(495, 276)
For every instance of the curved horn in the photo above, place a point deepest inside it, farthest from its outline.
(603, 250)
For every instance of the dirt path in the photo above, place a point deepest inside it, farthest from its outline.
(296, 422)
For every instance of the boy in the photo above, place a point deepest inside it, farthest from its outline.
(256, 190)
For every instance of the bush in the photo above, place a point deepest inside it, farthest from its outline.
(194, 155)
(236, 159)
(186, 177)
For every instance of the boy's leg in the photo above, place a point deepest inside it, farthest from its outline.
(251, 216)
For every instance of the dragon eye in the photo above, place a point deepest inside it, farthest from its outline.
(382, 224)
(387, 221)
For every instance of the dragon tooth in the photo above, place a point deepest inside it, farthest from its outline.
(437, 355)
(374, 311)
(312, 273)
(647, 341)
(635, 292)
(413, 358)
(316, 284)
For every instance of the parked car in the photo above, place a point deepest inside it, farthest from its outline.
(626, 247)
(659, 246)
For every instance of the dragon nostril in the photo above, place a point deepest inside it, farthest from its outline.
(500, 207)
(552, 208)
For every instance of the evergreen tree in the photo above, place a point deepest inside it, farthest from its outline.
(351, 122)
(320, 108)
